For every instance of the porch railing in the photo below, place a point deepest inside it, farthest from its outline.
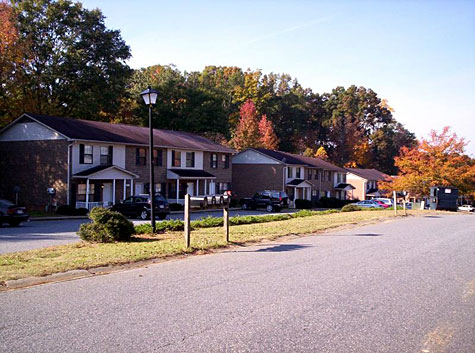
(91, 205)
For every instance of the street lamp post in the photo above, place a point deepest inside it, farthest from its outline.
(150, 97)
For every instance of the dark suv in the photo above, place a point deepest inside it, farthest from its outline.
(271, 200)
(139, 207)
(11, 213)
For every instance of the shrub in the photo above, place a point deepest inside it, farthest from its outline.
(350, 208)
(67, 210)
(107, 226)
(303, 204)
(303, 213)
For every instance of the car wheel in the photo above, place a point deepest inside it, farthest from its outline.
(245, 206)
(143, 215)
(221, 200)
(205, 203)
(269, 208)
(213, 200)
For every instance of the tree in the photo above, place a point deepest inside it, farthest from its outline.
(75, 67)
(247, 131)
(309, 152)
(268, 137)
(439, 160)
(321, 153)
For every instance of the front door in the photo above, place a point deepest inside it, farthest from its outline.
(107, 194)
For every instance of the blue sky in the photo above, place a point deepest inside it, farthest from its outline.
(420, 55)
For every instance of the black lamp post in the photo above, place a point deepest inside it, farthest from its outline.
(150, 97)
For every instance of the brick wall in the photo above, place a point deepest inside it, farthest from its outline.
(250, 178)
(34, 166)
(143, 171)
(359, 192)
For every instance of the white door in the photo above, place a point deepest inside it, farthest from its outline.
(190, 187)
(107, 194)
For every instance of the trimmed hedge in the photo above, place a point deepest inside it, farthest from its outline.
(209, 222)
(350, 208)
(107, 226)
(303, 204)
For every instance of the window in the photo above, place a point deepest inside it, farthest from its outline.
(176, 159)
(81, 195)
(157, 158)
(317, 174)
(329, 174)
(289, 172)
(310, 174)
(129, 199)
(297, 173)
(190, 159)
(225, 160)
(85, 154)
(106, 155)
(214, 161)
(338, 178)
(140, 156)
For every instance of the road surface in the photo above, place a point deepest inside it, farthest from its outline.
(399, 286)
(39, 234)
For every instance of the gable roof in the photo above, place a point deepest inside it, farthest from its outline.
(87, 130)
(290, 158)
(368, 174)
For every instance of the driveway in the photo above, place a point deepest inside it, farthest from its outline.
(405, 285)
(39, 234)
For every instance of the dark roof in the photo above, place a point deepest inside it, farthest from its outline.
(89, 130)
(342, 186)
(368, 174)
(192, 173)
(290, 158)
(295, 182)
(92, 170)
(371, 191)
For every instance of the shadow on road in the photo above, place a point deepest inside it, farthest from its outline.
(283, 247)
(432, 217)
(355, 235)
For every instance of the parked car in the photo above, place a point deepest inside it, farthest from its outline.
(385, 200)
(368, 204)
(466, 208)
(12, 214)
(385, 205)
(271, 200)
(139, 206)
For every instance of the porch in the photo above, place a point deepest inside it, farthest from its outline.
(196, 183)
(101, 186)
(298, 189)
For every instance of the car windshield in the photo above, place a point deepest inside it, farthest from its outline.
(5, 203)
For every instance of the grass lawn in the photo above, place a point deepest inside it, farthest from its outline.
(34, 213)
(84, 255)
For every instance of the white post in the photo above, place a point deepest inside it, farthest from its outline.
(187, 221)
(87, 193)
(132, 187)
(197, 187)
(177, 189)
(395, 200)
(206, 187)
(125, 190)
(113, 191)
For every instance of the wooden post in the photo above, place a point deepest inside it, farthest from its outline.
(226, 219)
(187, 221)
(404, 205)
(395, 203)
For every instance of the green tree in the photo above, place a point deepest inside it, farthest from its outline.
(75, 65)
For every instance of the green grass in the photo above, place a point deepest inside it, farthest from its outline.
(34, 213)
(84, 255)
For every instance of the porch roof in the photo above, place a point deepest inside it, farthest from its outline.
(105, 172)
(299, 182)
(344, 186)
(190, 173)
(373, 192)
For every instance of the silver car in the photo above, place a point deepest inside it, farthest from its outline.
(368, 204)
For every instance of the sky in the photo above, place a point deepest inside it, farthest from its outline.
(419, 55)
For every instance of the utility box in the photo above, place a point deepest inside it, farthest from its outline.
(443, 198)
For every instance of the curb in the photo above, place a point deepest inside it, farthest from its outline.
(61, 218)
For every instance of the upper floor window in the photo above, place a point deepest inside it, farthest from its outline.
(214, 160)
(225, 160)
(140, 156)
(297, 173)
(176, 159)
(338, 178)
(329, 176)
(317, 174)
(85, 154)
(106, 155)
(289, 172)
(157, 158)
(190, 159)
(310, 171)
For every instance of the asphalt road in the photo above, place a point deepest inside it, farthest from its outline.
(399, 286)
(39, 234)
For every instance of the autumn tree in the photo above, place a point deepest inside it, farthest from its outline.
(75, 67)
(268, 138)
(309, 152)
(321, 153)
(438, 160)
(247, 131)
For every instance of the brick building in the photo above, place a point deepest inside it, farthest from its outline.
(300, 177)
(93, 163)
(365, 183)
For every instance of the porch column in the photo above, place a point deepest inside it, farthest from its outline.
(197, 187)
(87, 193)
(113, 191)
(206, 186)
(125, 188)
(177, 189)
(132, 187)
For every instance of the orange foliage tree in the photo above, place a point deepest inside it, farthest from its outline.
(247, 131)
(268, 137)
(439, 160)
